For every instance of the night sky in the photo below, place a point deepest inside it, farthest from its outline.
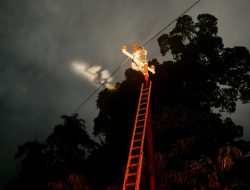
(55, 53)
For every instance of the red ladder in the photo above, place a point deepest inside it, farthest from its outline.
(135, 158)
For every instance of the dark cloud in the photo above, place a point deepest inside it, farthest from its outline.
(39, 41)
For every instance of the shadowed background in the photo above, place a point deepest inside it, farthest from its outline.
(53, 55)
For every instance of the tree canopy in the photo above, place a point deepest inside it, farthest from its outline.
(57, 163)
(203, 80)
(216, 77)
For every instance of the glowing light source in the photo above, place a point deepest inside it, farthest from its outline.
(94, 74)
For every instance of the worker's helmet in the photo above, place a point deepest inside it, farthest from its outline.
(136, 47)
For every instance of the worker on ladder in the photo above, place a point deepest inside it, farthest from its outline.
(133, 176)
(139, 59)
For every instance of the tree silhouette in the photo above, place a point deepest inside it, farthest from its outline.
(189, 94)
(67, 146)
(201, 148)
(59, 162)
(215, 77)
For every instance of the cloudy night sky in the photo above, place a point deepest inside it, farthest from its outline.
(55, 53)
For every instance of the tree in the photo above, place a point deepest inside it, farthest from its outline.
(57, 163)
(67, 146)
(216, 76)
(202, 78)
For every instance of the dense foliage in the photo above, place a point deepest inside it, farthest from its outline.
(194, 147)
(59, 163)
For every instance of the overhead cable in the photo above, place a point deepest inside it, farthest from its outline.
(158, 33)
(144, 44)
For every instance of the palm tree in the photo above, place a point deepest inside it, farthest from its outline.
(227, 156)
(67, 147)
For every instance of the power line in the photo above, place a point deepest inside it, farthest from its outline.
(147, 42)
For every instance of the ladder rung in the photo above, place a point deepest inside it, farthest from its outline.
(140, 120)
(141, 114)
(130, 184)
(137, 140)
(145, 89)
(138, 133)
(135, 156)
(143, 103)
(142, 109)
(139, 126)
(133, 165)
(132, 174)
(144, 98)
(138, 147)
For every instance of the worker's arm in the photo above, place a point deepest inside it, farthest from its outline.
(124, 51)
(151, 70)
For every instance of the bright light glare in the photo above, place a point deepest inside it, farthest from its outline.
(95, 74)
(94, 69)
